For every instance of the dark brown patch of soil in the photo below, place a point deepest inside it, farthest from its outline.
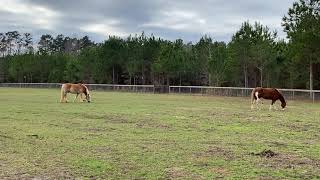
(265, 153)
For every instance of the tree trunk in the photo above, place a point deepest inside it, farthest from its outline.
(112, 75)
(261, 77)
(245, 73)
(117, 79)
(311, 79)
(217, 83)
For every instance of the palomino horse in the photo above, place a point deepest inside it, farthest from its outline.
(74, 89)
(267, 93)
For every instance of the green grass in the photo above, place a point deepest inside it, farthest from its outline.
(150, 136)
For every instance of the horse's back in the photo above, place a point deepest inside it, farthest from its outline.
(72, 88)
(267, 93)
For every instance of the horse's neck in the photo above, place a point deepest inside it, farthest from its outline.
(85, 89)
(281, 98)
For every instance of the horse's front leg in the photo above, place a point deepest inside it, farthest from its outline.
(63, 97)
(275, 107)
(81, 97)
(272, 105)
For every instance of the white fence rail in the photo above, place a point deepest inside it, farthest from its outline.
(101, 87)
(203, 90)
(238, 91)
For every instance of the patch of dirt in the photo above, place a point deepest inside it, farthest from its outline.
(149, 124)
(118, 119)
(275, 143)
(180, 173)
(222, 172)
(311, 167)
(55, 125)
(6, 137)
(216, 151)
(300, 127)
(103, 149)
(292, 161)
(58, 173)
(265, 153)
(33, 136)
(92, 116)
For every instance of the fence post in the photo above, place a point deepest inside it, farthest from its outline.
(293, 95)
(169, 89)
(313, 97)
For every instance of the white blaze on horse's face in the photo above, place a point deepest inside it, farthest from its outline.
(88, 97)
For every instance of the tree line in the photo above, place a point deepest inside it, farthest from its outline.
(255, 56)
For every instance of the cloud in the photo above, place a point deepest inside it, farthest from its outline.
(34, 16)
(104, 29)
(177, 20)
(186, 19)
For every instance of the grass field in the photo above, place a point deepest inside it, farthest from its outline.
(150, 136)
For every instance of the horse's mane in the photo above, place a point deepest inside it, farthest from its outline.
(85, 87)
(280, 95)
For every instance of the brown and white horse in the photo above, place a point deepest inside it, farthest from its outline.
(74, 89)
(267, 93)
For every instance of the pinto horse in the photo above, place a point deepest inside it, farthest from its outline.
(267, 93)
(74, 89)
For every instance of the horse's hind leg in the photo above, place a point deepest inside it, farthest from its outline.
(63, 97)
(76, 97)
(252, 104)
(258, 103)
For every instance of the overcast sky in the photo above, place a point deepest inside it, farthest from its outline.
(186, 19)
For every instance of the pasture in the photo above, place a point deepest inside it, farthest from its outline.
(154, 136)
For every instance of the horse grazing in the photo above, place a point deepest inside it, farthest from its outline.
(267, 93)
(74, 89)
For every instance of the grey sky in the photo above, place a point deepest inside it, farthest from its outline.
(186, 19)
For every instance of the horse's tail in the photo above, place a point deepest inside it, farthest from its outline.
(252, 96)
(62, 93)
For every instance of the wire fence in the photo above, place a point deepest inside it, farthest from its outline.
(293, 94)
(98, 87)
